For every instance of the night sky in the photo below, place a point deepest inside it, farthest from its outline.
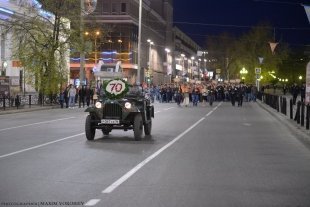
(202, 18)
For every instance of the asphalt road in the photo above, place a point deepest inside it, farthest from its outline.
(196, 156)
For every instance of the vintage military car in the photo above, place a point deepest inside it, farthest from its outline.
(119, 106)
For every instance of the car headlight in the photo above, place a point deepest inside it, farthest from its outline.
(98, 105)
(128, 105)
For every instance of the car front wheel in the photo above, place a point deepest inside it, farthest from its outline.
(138, 127)
(148, 128)
(89, 129)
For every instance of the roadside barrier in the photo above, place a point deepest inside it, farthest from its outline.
(279, 103)
(283, 105)
(21, 101)
(302, 114)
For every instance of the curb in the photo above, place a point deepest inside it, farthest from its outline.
(14, 111)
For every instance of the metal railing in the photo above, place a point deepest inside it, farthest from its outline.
(22, 101)
(279, 103)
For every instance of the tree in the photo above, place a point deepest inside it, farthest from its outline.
(233, 54)
(42, 39)
(255, 44)
(221, 49)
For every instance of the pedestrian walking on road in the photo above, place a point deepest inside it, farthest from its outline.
(211, 95)
(295, 92)
(66, 96)
(233, 91)
(240, 94)
(61, 99)
(303, 92)
(72, 94)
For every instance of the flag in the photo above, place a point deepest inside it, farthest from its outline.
(307, 9)
(273, 46)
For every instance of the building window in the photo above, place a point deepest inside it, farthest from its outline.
(106, 8)
(115, 8)
(123, 8)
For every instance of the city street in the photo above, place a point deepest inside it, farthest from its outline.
(197, 156)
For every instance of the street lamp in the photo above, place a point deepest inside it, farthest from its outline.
(139, 43)
(199, 65)
(168, 65)
(192, 58)
(96, 34)
(183, 69)
(150, 57)
(243, 72)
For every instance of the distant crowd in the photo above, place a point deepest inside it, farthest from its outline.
(184, 94)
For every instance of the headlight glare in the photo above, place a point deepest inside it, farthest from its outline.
(98, 105)
(128, 105)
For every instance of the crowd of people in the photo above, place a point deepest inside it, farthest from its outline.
(71, 95)
(186, 94)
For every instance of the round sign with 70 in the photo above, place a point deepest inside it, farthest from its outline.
(115, 87)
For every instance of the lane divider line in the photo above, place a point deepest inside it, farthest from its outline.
(169, 108)
(43, 122)
(92, 202)
(126, 176)
(208, 114)
(41, 145)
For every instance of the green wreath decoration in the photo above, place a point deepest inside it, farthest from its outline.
(115, 88)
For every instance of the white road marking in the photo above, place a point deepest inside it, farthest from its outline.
(213, 109)
(92, 202)
(43, 122)
(169, 108)
(125, 177)
(156, 112)
(41, 145)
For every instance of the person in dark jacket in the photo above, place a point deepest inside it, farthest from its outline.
(61, 99)
(233, 93)
(303, 92)
(66, 96)
(240, 94)
(295, 92)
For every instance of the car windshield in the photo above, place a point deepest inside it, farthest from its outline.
(135, 90)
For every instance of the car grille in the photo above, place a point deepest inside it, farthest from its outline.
(112, 110)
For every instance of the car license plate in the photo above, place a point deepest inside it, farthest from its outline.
(109, 121)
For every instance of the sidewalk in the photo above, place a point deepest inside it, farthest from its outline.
(12, 110)
(301, 132)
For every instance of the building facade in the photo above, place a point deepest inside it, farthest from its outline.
(13, 75)
(118, 21)
(11, 79)
(187, 62)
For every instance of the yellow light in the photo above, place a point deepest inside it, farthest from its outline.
(300, 77)
(97, 33)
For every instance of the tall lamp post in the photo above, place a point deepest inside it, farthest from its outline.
(97, 33)
(243, 72)
(168, 65)
(205, 68)
(139, 43)
(183, 69)
(150, 58)
(192, 58)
